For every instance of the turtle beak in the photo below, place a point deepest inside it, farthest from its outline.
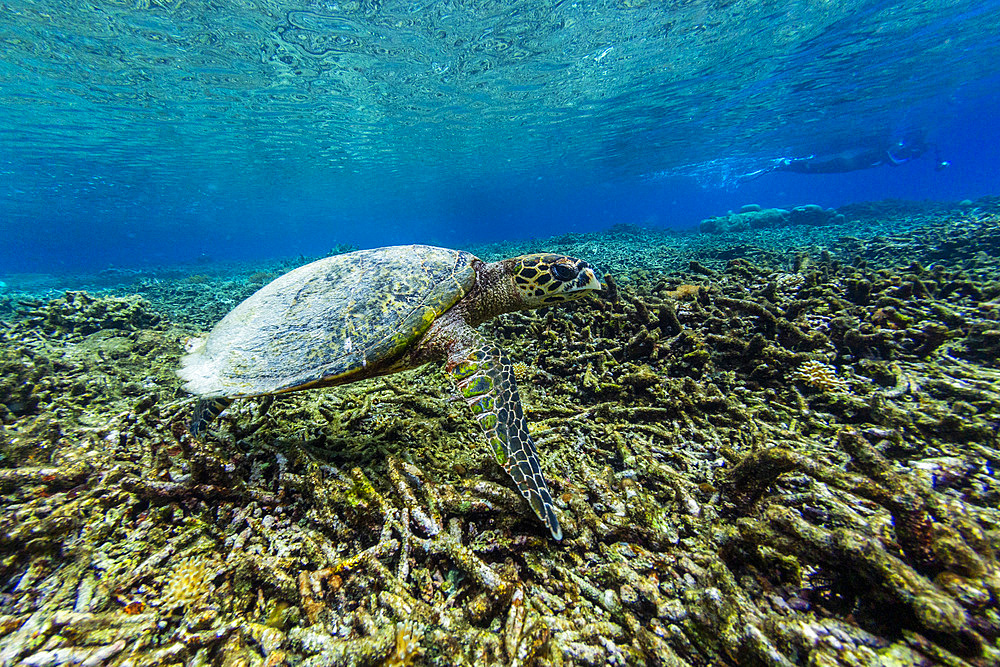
(587, 280)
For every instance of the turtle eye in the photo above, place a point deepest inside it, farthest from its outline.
(563, 272)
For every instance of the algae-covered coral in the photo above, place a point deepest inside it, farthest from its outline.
(717, 506)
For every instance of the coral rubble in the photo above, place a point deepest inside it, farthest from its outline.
(763, 454)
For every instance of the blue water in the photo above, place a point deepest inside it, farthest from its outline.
(143, 132)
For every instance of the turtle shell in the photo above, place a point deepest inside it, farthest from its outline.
(335, 320)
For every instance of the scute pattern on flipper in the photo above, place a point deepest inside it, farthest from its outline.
(206, 410)
(337, 319)
(486, 379)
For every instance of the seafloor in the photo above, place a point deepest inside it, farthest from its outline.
(774, 447)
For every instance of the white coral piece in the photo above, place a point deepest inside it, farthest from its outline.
(820, 376)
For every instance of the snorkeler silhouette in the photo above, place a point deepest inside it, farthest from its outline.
(853, 159)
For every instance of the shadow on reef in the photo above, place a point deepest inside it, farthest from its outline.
(765, 457)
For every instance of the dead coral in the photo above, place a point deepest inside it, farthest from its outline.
(81, 313)
(712, 512)
(189, 581)
(819, 376)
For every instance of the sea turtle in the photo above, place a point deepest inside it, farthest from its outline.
(374, 312)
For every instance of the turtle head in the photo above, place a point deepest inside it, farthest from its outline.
(543, 279)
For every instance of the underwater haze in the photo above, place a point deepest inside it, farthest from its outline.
(147, 132)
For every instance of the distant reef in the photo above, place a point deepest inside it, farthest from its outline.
(753, 216)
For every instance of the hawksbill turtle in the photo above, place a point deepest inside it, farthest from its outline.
(374, 312)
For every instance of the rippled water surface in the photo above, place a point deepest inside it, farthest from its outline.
(174, 110)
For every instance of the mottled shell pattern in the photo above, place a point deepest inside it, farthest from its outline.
(335, 320)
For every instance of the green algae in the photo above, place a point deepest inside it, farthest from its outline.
(714, 510)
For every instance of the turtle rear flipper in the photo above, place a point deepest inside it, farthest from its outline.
(205, 411)
(485, 378)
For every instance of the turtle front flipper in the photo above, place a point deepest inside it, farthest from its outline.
(205, 411)
(485, 378)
